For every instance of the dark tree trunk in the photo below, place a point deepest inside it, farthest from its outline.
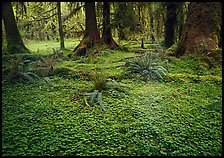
(170, 24)
(60, 27)
(220, 38)
(91, 36)
(152, 28)
(202, 29)
(107, 36)
(142, 43)
(14, 40)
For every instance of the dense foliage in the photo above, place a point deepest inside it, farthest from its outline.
(181, 116)
(103, 98)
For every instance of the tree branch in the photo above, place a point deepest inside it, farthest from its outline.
(43, 18)
(71, 13)
(49, 10)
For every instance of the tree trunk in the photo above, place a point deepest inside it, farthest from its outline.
(14, 41)
(202, 29)
(61, 33)
(152, 28)
(181, 20)
(159, 28)
(107, 36)
(171, 21)
(91, 36)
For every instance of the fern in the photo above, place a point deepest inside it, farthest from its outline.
(16, 70)
(100, 101)
(27, 76)
(93, 96)
(147, 66)
(47, 79)
(33, 74)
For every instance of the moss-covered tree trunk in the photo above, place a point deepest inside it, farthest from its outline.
(14, 41)
(107, 36)
(201, 32)
(91, 36)
(181, 16)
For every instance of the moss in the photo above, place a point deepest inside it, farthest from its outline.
(25, 56)
(194, 78)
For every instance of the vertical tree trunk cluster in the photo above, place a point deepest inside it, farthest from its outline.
(202, 29)
(92, 35)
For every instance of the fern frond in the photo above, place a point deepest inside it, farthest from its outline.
(47, 79)
(157, 74)
(92, 97)
(26, 76)
(161, 72)
(161, 67)
(100, 101)
(33, 74)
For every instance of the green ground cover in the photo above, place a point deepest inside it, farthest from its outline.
(179, 117)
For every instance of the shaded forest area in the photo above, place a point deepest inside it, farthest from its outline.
(111, 78)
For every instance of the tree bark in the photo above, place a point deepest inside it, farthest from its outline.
(107, 36)
(201, 32)
(91, 36)
(60, 28)
(14, 41)
(181, 20)
(171, 21)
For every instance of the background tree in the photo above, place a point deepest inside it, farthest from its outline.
(202, 29)
(14, 40)
(61, 33)
(73, 10)
(152, 29)
(125, 20)
(181, 18)
(107, 36)
(91, 36)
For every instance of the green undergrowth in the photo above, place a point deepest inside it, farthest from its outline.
(149, 119)
(179, 117)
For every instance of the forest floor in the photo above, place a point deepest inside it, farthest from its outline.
(179, 117)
